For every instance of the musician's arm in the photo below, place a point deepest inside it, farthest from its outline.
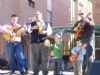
(1, 30)
(90, 21)
(23, 31)
(5, 30)
(35, 27)
(73, 51)
(31, 28)
(49, 30)
(84, 51)
(75, 28)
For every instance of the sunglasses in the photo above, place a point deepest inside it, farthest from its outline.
(81, 13)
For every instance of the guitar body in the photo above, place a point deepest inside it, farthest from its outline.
(73, 57)
(17, 33)
(77, 34)
(6, 36)
(80, 27)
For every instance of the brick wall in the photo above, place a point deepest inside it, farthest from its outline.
(21, 8)
(96, 11)
(60, 12)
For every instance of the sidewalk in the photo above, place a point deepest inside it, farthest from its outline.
(6, 72)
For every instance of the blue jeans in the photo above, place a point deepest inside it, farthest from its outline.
(15, 56)
(57, 66)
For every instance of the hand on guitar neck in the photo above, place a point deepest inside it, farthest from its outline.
(1, 29)
(73, 57)
(86, 18)
(80, 25)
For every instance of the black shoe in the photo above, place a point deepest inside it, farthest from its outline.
(35, 74)
(22, 73)
(58, 74)
(46, 73)
(12, 73)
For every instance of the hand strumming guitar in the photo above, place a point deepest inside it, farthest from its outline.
(77, 51)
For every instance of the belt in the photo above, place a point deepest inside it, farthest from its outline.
(15, 42)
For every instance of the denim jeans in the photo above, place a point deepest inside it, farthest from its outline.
(15, 56)
(57, 66)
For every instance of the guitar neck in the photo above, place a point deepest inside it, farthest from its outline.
(16, 29)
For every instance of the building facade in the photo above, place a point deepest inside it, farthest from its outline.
(55, 11)
(96, 8)
(96, 16)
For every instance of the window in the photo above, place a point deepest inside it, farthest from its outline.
(31, 3)
(49, 5)
(49, 17)
(97, 47)
(49, 11)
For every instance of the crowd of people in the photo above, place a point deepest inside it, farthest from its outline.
(39, 31)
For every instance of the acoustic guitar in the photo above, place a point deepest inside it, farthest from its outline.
(73, 57)
(80, 27)
(15, 32)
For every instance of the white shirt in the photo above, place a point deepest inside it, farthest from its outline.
(48, 31)
(5, 30)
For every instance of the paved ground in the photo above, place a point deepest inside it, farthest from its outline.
(5, 72)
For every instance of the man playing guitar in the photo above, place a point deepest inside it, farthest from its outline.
(84, 30)
(79, 27)
(12, 33)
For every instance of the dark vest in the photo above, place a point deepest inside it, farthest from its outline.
(35, 36)
(88, 30)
